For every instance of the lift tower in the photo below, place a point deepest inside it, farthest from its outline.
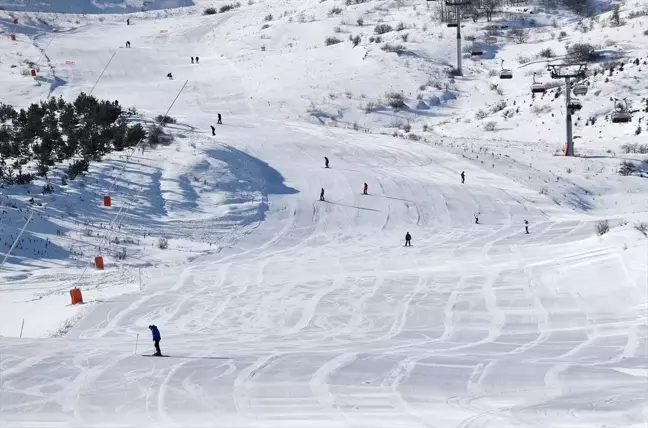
(569, 72)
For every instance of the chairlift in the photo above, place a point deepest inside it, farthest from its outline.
(575, 104)
(621, 113)
(491, 40)
(452, 25)
(537, 87)
(505, 73)
(580, 89)
(476, 52)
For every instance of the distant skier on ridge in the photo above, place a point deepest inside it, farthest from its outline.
(408, 240)
(156, 339)
(213, 130)
(526, 226)
(322, 195)
(220, 119)
(364, 191)
(326, 162)
(463, 177)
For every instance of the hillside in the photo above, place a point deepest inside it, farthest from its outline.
(279, 309)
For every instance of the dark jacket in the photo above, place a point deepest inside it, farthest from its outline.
(155, 332)
(408, 237)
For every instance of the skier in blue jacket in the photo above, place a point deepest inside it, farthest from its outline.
(156, 339)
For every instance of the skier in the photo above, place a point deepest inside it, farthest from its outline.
(192, 60)
(364, 191)
(156, 339)
(526, 226)
(220, 121)
(463, 177)
(213, 130)
(127, 44)
(326, 162)
(197, 60)
(127, 21)
(322, 195)
(170, 76)
(408, 240)
(476, 219)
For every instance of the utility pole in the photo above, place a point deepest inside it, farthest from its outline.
(562, 71)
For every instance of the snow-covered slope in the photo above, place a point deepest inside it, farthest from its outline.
(277, 309)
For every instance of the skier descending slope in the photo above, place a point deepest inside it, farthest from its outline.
(326, 162)
(213, 129)
(156, 339)
(408, 240)
(322, 195)
(463, 177)
(364, 190)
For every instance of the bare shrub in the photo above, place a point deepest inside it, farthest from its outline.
(519, 35)
(163, 243)
(335, 11)
(209, 11)
(481, 114)
(360, 22)
(642, 228)
(627, 168)
(395, 99)
(582, 52)
(602, 227)
(164, 119)
(490, 126)
(382, 28)
(393, 48)
(547, 53)
(332, 41)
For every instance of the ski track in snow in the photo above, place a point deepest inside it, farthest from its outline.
(313, 312)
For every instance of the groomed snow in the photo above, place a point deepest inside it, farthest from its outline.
(278, 310)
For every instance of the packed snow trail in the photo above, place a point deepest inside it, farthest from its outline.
(319, 316)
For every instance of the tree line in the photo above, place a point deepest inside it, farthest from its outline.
(54, 130)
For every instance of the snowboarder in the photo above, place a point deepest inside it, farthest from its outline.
(366, 187)
(526, 226)
(322, 195)
(127, 21)
(156, 339)
(408, 240)
(192, 61)
(170, 76)
(463, 177)
(197, 59)
(213, 130)
(326, 162)
(220, 121)
(127, 44)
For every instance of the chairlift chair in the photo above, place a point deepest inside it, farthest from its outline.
(452, 25)
(476, 51)
(621, 113)
(505, 73)
(575, 104)
(580, 89)
(491, 40)
(537, 87)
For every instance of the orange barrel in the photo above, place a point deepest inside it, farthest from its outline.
(99, 262)
(76, 296)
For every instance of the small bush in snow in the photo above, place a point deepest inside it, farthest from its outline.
(355, 40)
(581, 52)
(395, 99)
(335, 11)
(156, 135)
(337, 29)
(332, 41)
(268, 17)
(547, 53)
(360, 22)
(481, 114)
(163, 243)
(602, 227)
(642, 227)
(264, 26)
(501, 105)
(519, 35)
(164, 119)
(562, 35)
(627, 168)
(393, 48)
(382, 28)
(490, 126)
(400, 26)
(227, 7)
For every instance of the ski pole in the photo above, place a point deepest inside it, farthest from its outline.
(136, 340)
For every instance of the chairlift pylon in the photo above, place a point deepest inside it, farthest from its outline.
(505, 73)
(537, 87)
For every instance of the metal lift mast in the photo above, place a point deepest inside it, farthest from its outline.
(562, 71)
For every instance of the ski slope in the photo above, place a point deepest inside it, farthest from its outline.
(308, 313)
